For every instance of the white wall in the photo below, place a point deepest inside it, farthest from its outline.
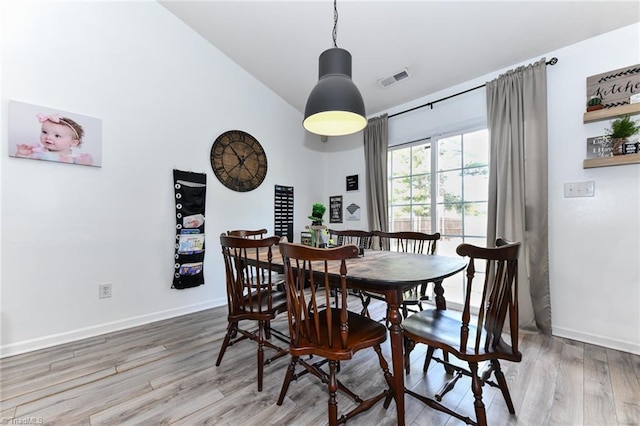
(594, 242)
(346, 158)
(163, 95)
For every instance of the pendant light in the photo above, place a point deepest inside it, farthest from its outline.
(335, 106)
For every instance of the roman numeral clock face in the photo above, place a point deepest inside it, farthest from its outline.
(238, 161)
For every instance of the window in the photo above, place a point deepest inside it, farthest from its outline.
(441, 185)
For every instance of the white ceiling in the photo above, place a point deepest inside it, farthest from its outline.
(441, 43)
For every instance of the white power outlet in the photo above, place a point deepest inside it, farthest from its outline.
(104, 291)
(579, 189)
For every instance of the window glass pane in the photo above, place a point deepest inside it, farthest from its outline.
(476, 184)
(401, 162)
(421, 186)
(421, 218)
(447, 246)
(454, 285)
(454, 291)
(476, 148)
(450, 186)
(475, 221)
(401, 190)
(421, 159)
(450, 219)
(477, 241)
(400, 218)
(450, 153)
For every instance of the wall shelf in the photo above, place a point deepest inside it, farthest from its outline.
(606, 113)
(617, 160)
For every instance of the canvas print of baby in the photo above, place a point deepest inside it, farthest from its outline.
(61, 138)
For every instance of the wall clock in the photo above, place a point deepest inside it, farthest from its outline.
(238, 161)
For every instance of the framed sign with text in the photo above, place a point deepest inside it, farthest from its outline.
(352, 183)
(615, 87)
(335, 209)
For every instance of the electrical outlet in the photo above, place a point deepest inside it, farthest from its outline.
(104, 291)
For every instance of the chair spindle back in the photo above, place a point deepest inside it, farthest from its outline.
(311, 314)
(408, 241)
(249, 287)
(499, 295)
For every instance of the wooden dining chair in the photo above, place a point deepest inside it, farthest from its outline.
(474, 339)
(409, 242)
(358, 237)
(277, 279)
(364, 241)
(332, 333)
(247, 233)
(251, 297)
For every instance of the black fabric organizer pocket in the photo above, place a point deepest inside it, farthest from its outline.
(190, 196)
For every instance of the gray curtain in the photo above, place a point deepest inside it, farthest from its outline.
(376, 147)
(518, 211)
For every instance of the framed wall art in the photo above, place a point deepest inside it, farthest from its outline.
(335, 209)
(352, 183)
(42, 133)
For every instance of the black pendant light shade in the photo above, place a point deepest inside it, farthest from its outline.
(335, 106)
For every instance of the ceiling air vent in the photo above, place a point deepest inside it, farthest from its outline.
(397, 77)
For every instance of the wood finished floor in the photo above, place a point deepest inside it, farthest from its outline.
(164, 373)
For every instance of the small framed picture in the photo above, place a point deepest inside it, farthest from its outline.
(335, 209)
(352, 183)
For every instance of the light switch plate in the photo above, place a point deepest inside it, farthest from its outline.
(579, 189)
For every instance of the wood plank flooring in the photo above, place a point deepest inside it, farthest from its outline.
(164, 373)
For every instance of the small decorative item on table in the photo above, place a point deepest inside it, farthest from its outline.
(306, 238)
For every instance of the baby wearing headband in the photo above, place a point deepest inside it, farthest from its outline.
(59, 136)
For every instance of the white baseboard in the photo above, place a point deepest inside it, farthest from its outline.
(83, 333)
(596, 339)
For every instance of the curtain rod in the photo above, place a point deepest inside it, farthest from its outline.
(552, 61)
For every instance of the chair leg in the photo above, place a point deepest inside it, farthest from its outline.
(333, 390)
(261, 325)
(476, 387)
(225, 342)
(387, 375)
(287, 379)
(503, 385)
(365, 303)
(408, 347)
(427, 358)
(267, 330)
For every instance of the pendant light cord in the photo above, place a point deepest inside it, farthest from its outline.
(335, 23)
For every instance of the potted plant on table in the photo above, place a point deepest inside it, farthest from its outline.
(317, 228)
(317, 212)
(620, 132)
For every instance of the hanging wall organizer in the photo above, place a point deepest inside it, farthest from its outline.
(190, 191)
